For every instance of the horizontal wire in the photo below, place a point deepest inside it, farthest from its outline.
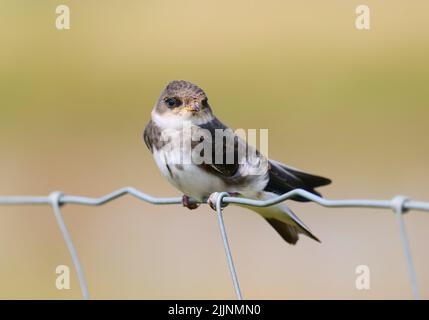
(398, 204)
(349, 203)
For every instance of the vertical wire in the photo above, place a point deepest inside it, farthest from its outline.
(55, 202)
(398, 204)
(226, 245)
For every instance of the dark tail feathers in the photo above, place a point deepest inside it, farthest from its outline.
(289, 233)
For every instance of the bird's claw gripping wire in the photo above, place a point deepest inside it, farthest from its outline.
(213, 198)
(186, 202)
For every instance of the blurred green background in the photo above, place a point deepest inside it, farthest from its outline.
(351, 105)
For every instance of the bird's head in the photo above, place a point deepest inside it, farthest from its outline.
(183, 101)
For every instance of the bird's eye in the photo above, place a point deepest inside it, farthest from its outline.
(205, 102)
(171, 102)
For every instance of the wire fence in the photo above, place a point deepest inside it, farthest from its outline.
(399, 205)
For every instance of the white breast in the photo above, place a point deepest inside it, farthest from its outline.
(194, 181)
(190, 179)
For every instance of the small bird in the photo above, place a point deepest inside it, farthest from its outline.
(183, 104)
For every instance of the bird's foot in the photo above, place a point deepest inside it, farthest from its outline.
(186, 201)
(211, 201)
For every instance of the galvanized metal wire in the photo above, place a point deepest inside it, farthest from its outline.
(399, 205)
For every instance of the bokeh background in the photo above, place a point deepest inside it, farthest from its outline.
(351, 105)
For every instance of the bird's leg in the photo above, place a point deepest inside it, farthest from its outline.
(186, 203)
(212, 200)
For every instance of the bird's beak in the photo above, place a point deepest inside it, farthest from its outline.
(194, 107)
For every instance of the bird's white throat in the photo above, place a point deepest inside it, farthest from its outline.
(174, 121)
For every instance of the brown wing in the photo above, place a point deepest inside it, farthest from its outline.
(152, 136)
(283, 179)
(224, 167)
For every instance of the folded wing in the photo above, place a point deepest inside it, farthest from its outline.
(283, 179)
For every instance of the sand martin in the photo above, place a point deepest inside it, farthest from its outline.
(183, 109)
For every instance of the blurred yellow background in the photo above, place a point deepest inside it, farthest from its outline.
(351, 105)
